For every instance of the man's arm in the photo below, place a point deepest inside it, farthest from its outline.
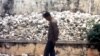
(56, 31)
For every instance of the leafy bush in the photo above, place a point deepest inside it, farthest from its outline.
(94, 34)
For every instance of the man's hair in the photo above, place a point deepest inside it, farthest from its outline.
(46, 14)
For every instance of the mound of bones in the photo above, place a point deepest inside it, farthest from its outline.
(72, 26)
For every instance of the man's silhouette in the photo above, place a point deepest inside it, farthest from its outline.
(53, 33)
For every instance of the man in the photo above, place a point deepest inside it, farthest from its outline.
(53, 33)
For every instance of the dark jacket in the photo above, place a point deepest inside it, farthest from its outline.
(53, 31)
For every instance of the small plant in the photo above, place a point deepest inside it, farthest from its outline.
(94, 34)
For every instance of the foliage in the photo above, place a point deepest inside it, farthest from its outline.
(94, 33)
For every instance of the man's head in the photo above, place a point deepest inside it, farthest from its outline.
(47, 16)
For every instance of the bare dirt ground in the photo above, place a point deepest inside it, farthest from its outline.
(31, 50)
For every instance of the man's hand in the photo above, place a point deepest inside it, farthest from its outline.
(54, 40)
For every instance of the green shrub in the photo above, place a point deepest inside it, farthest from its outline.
(94, 34)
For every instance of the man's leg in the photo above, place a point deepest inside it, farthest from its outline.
(52, 51)
(47, 49)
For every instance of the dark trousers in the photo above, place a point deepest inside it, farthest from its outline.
(49, 49)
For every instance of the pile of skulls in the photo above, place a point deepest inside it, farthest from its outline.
(72, 26)
(23, 27)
